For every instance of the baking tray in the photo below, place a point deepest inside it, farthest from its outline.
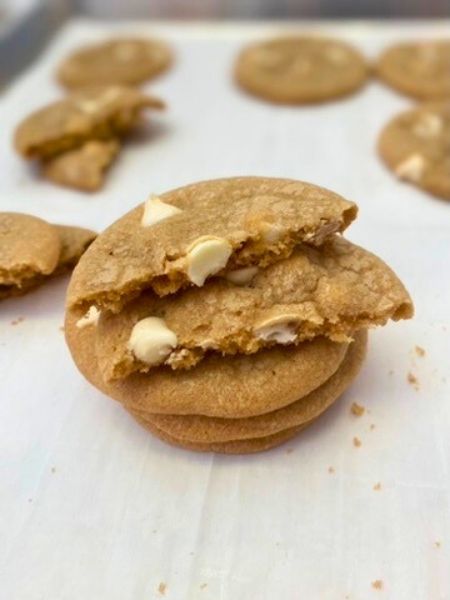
(91, 506)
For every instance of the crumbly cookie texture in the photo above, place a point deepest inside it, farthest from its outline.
(97, 113)
(221, 386)
(29, 248)
(83, 168)
(32, 251)
(331, 291)
(300, 69)
(415, 145)
(418, 69)
(220, 226)
(125, 61)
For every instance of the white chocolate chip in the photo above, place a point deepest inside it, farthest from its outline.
(280, 329)
(270, 234)
(155, 210)
(151, 341)
(93, 106)
(241, 276)
(207, 256)
(411, 168)
(429, 125)
(90, 318)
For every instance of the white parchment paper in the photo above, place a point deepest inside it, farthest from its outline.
(93, 507)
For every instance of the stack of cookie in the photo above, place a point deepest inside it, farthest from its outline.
(76, 139)
(228, 315)
(32, 251)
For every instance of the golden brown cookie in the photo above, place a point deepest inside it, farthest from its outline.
(418, 69)
(198, 428)
(300, 69)
(74, 243)
(189, 234)
(332, 291)
(228, 387)
(29, 250)
(125, 61)
(98, 113)
(82, 168)
(415, 145)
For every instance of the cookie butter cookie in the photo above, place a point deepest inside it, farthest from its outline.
(300, 69)
(215, 227)
(418, 69)
(32, 250)
(415, 145)
(332, 291)
(124, 61)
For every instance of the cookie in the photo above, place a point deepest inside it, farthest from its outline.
(246, 446)
(98, 113)
(418, 69)
(332, 291)
(74, 243)
(197, 428)
(83, 168)
(300, 69)
(205, 229)
(228, 387)
(127, 61)
(415, 146)
(29, 250)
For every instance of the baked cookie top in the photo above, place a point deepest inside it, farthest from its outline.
(209, 228)
(221, 386)
(126, 61)
(416, 146)
(418, 69)
(82, 168)
(93, 113)
(29, 248)
(330, 291)
(300, 69)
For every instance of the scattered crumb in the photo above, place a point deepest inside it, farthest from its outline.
(154, 530)
(419, 351)
(437, 544)
(61, 328)
(357, 409)
(372, 426)
(203, 586)
(30, 499)
(162, 587)
(412, 380)
(289, 450)
(17, 321)
(331, 470)
(377, 584)
(357, 442)
(391, 372)
(53, 469)
(377, 487)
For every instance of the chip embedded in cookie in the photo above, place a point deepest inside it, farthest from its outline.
(202, 230)
(415, 146)
(125, 61)
(418, 69)
(29, 251)
(330, 291)
(300, 69)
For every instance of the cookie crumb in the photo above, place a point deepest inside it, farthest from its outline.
(437, 544)
(203, 586)
(162, 587)
(289, 450)
(412, 380)
(372, 426)
(391, 372)
(419, 351)
(30, 499)
(17, 321)
(357, 410)
(377, 584)
(377, 487)
(357, 442)
(61, 327)
(53, 469)
(331, 470)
